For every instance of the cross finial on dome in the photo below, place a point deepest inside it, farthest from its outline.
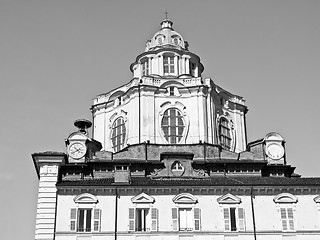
(166, 23)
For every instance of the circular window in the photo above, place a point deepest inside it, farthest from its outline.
(177, 168)
(118, 134)
(172, 125)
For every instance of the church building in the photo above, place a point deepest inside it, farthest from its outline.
(166, 157)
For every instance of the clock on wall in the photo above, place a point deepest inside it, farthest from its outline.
(274, 148)
(275, 151)
(77, 150)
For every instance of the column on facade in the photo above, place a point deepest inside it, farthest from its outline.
(196, 71)
(183, 65)
(201, 114)
(149, 65)
(176, 65)
(187, 66)
(160, 65)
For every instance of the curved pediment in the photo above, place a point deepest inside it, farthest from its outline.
(142, 198)
(229, 199)
(317, 199)
(285, 198)
(85, 198)
(184, 198)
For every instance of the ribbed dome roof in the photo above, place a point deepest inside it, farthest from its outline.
(166, 37)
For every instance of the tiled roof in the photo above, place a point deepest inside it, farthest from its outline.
(215, 181)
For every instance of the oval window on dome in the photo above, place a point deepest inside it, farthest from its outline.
(176, 41)
(160, 39)
(173, 125)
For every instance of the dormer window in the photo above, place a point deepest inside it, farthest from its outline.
(177, 168)
(121, 168)
(168, 65)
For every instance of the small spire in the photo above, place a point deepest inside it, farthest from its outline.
(166, 13)
(166, 23)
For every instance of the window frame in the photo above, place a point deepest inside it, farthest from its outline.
(285, 202)
(143, 202)
(288, 223)
(184, 202)
(228, 202)
(85, 203)
(232, 220)
(146, 223)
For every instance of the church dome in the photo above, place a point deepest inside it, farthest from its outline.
(167, 55)
(166, 37)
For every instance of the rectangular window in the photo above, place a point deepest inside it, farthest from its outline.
(85, 220)
(287, 219)
(234, 219)
(143, 219)
(168, 65)
(171, 91)
(186, 219)
(145, 68)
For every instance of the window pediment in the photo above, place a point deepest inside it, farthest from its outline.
(142, 198)
(229, 199)
(186, 198)
(317, 199)
(85, 198)
(285, 198)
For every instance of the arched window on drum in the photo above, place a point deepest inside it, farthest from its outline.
(118, 134)
(173, 125)
(225, 133)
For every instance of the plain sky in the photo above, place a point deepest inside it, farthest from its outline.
(56, 56)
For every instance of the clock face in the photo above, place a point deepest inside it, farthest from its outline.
(275, 151)
(77, 150)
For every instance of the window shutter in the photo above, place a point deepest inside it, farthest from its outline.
(154, 219)
(73, 219)
(131, 219)
(197, 226)
(284, 218)
(241, 219)
(175, 219)
(290, 218)
(226, 216)
(96, 220)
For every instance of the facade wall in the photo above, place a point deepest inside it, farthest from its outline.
(267, 218)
